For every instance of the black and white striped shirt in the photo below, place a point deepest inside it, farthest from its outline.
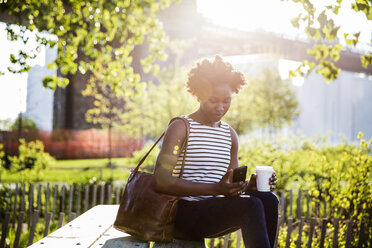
(208, 155)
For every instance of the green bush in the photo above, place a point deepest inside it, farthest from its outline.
(27, 124)
(149, 163)
(31, 161)
(339, 174)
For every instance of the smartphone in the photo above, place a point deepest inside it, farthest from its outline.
(239, 174)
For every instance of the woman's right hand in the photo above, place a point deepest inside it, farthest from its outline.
(227, 187)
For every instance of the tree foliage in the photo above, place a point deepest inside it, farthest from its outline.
(320, 26)
(88, 33)
(26, 124)
(149, 111)
(267, 102)
(107, 105)
(155, 103)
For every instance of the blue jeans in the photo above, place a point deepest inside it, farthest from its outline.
(255, 213)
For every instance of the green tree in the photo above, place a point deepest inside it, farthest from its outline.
(274, 101)
(320, 26)
(156, 103)
(107, 105)
(267, 102)
(23, 123)
(149, 111)
(241, 115)
(86, 34)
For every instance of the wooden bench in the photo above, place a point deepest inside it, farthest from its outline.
(94, 229)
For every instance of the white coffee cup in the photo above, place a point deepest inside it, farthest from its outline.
(263, 177)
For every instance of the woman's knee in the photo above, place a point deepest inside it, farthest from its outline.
(256, 204)
(272, 199)
(269, 199)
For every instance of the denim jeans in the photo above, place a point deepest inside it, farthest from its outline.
(255, 213)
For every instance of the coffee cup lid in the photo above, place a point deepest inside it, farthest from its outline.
(264, 168)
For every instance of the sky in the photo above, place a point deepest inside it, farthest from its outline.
(13, 87)
(268, 15)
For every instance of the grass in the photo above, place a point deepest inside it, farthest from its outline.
(75, 171)
(84, 163)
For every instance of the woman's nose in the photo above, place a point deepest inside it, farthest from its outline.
(219, 107)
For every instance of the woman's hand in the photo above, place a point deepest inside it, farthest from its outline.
(272, 181)
(227, 188)
(251, 184)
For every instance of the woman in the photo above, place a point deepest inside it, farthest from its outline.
(211, 205)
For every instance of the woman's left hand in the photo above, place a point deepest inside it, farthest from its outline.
(272, 181)
(251, 184)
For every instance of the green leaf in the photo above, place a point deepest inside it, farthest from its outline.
(295, 21)
(366, 60)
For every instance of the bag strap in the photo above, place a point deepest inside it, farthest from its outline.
(184, 146)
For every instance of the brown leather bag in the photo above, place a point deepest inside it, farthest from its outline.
(144, 213)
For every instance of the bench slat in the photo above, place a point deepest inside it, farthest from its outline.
(115, 239)
(82, 231)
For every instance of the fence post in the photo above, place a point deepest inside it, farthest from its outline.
(361, 235)
(33, 227)
(5, 229)
(23, 204)
(86, 198)
(323, 233)
(299, 209)
(47, 194)
(109, 194)
(62, 199)
(335, 234)
(291, 203)
(19, 229)
(60, 219)
(94, 195)
(282, 203)
(8, 206)
(300, 232)
(55, 193)
(307, 204)
(71, 216)
(30, 203)
(117, 195)
(312, 226)
(38, 206)
(70, 200)
(78, 200)
(289, 231)
(15, 206)
(348, 233)
(102, 194)
(47, 223)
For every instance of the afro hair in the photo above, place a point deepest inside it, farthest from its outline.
(207, 74)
